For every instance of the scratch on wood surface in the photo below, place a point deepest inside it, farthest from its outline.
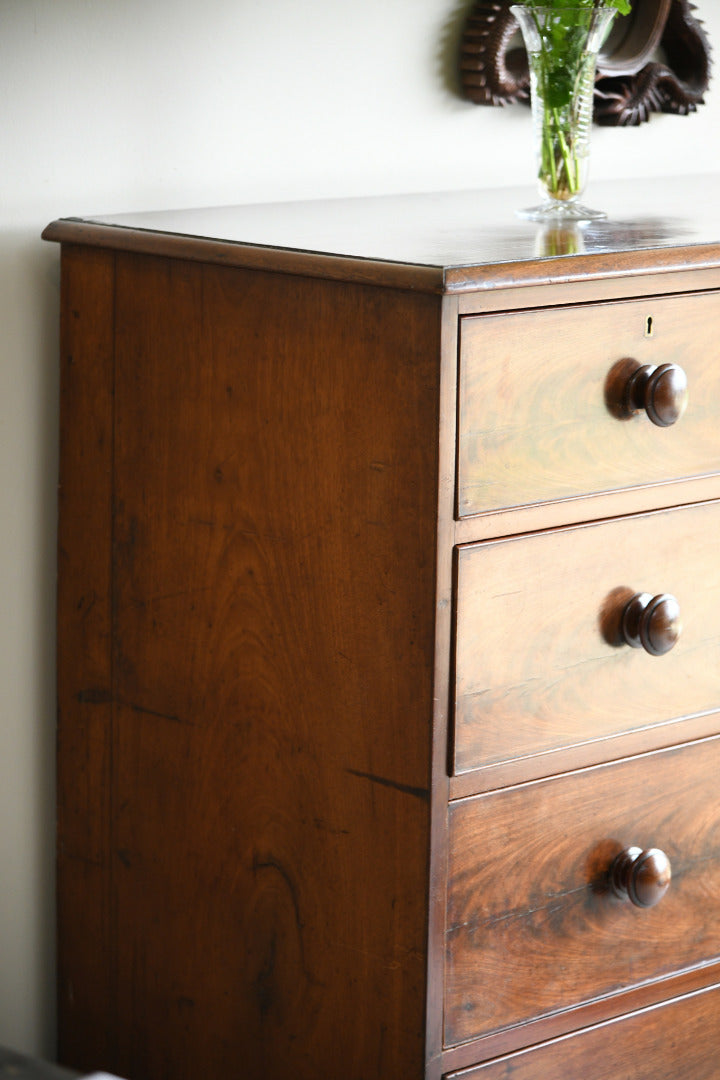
(405, 789)
(94, 695)
(154, 712)
(557, 902)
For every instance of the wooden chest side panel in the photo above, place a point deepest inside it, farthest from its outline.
(532, 926)
(86, 948)
(276, 492)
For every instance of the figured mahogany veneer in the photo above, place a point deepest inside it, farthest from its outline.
(542, 393)
(541, 660)
(659, 1043)
(535, 924)
(388, 637)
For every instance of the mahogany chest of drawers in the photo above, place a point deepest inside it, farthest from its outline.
(389, 642)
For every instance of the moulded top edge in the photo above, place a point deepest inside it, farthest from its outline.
(451, 241)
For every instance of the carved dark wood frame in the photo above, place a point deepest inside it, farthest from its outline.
(656, 60)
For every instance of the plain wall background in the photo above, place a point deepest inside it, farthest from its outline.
(112, 105)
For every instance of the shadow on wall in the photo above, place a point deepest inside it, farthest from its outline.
(29, 308)
(449, 48)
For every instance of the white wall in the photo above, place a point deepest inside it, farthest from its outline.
(110, 105)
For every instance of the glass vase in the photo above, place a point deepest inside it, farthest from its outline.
(562, 45)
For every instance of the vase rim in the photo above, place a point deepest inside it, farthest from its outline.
(596, 12)
(563, 7)
(591, 9)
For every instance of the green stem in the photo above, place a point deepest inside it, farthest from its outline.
(565, 153)
(559, 163)
(549, 152)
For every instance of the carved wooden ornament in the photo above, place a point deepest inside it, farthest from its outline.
(657, 59)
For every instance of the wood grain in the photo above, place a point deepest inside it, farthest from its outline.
(273, 648)
(677, 1039)
(533, 420)
(469, 242)
(263, 559)
(539, 665)
(532, 927)
(86, 951)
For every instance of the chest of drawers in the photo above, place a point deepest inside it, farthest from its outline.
(389, 642)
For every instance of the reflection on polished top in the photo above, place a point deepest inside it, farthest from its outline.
(460, 234)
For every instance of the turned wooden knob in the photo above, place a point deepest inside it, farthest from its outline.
(651, 623)
(661, 391)
(642, 877)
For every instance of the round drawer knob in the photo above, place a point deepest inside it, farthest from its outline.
(661, 391)
(652, 623)
(642, 877)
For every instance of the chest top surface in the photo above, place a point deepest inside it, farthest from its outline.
(451, 241)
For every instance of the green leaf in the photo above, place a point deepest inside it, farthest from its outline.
(559, 88)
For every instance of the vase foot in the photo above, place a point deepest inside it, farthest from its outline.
(556, 211)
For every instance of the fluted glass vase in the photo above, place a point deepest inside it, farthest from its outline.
(562, 45)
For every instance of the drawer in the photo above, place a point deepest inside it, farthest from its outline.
(538, 391)
(670, 1041)
(532, 927)
(538, 666)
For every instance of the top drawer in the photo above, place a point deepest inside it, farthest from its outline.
(539, 393)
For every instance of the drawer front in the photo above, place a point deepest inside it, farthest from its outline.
(675, 1040)
(532, 927)
(537, 399)
(538, 666)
